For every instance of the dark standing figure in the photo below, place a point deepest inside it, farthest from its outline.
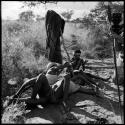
(54, 29)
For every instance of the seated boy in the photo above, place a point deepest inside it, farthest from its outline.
(78, 62)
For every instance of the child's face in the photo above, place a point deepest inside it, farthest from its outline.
(77, 55)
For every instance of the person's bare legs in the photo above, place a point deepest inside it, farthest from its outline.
(95, 92)
(41, 84)
(66, 88)
(26, 85)
(59, 93)
(66, 92)
(87, 90)
(97, 77)
(43, 89)
(85, 80)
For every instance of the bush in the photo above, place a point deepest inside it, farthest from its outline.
(14, 114)
(22, 56)
(88, 54)
(23, 52)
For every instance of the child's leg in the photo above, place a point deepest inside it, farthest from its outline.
(66, 86)
(97, 77)
(58, 88)
(41, 87)
(88, 79)
(86, 90)
(84, 80)
(25, 86)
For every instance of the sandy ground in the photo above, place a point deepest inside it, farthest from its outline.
(83, 107)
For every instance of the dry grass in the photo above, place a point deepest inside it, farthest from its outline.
(19, 47)
(14, 114)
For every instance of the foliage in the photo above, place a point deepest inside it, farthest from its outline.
(26, 15)
(14, 114)
(23, 44)
(35, 3)
(21, 54)
(39, 18)
(99, 29)
(67, 15)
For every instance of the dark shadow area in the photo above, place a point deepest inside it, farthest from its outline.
(51, 113)
(105, 102)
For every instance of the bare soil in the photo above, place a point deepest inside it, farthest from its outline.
(85, 108)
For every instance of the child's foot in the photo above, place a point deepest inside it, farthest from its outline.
(11, 99)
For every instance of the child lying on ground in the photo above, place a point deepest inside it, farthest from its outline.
(48, 89)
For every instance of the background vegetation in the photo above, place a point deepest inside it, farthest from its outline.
(23, 43)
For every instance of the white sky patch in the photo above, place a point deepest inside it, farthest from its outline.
(11, 9)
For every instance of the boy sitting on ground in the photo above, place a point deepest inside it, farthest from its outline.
(78, 62)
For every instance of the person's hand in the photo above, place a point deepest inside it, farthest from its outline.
(67, 76)
(85, 61)
(67, 64)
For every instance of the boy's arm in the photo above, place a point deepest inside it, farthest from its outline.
(61, 67)
(83, 64)
(73, 61)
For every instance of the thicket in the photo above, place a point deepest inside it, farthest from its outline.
(23, 48)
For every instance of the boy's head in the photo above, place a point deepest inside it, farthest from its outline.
(77, 53)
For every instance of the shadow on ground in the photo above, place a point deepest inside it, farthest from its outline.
(84, 108)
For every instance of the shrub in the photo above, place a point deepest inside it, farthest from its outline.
(14, 114)
(21, 55)
(88, 54)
